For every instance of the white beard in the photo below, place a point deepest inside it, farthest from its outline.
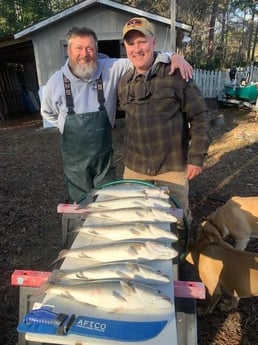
(84, 72)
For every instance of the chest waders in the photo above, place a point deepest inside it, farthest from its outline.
(86, 146)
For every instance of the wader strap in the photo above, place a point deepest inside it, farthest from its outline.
(68, 96)
(101, 97)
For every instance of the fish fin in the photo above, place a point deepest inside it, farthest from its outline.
(165, 277)
(93, 232)
(116, 310)
(135, 231)
(140, 213)
(91, 305)
(133, 267)
(122, 274)
(117, 295)
(133, 249)
(127, 286)
(80, 275)
(82, 255)
(137, 228)
(104, 215)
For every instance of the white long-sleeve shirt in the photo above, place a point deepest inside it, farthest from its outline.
(84, 92)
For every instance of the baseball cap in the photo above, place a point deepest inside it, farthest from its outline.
(139, 24)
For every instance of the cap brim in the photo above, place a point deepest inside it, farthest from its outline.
(143, 31)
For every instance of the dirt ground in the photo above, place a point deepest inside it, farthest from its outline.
(32, 185)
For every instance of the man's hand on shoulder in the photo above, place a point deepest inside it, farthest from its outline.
(186, 70)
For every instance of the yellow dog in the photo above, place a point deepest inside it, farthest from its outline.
(223, 268)
(238, 217)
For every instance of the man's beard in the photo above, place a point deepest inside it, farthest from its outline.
(84, 71)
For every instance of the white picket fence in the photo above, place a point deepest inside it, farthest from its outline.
(211, 83)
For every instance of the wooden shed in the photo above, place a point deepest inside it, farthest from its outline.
(31, 56)
(105, 17)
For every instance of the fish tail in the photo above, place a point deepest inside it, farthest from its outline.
(42, 288)
(61, 255)
(55, 276)
(90, 197)
(72, 231)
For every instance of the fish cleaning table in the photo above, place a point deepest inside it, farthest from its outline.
(175, 326)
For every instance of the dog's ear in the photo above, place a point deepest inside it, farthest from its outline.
(202, 233)
(189, 258)
(200, 229)
(190, 253)
(208, 233)
(202, 225)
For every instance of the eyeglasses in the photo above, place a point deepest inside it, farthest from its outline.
(139, 91)
(134, 21)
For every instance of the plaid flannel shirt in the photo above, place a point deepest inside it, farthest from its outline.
(167, 121)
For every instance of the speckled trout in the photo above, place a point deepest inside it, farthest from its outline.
(151, 215)
(113, 296)
(120, 232)
(121, 251)
(139, 273)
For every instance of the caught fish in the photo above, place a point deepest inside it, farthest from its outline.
(137, 215)
(113, 271)
(129, 190)
(127, 202)
(121, 251)
(120, 232)
(113, 296)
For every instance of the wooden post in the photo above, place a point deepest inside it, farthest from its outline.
(173, 25)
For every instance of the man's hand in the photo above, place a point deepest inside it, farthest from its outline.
(193, 171)
(186, 70)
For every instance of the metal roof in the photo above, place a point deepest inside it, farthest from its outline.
(88, 3)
